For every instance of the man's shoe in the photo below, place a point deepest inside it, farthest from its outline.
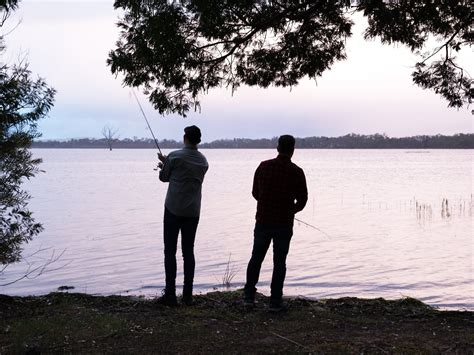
(168, 299)
(187, 299)
(249, 302)
(277, 306)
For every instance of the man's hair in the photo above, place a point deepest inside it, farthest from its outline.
(193, 134)
(286, 144)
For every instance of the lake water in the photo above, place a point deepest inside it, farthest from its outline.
(384, 229)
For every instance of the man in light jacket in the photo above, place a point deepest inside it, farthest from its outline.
(184, 169)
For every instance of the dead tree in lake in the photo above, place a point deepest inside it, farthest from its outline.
(110, 135)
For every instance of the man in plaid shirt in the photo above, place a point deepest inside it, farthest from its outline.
(279, 187)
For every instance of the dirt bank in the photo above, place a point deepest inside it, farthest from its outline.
(218, 322)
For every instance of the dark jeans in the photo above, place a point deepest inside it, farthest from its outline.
(263, 235)
(172, 224)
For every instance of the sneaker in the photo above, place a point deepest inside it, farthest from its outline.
(187, 299)
(249, 302)
(168, 299)
(277, 306)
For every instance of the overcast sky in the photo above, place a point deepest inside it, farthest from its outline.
(67, 43)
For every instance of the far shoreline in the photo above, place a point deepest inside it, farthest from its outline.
(349, 141)
(154, 148)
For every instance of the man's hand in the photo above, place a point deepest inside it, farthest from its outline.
(162, 157)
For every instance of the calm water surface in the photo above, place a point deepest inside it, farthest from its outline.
(386, 231)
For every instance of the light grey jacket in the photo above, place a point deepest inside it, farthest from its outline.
(184, 169)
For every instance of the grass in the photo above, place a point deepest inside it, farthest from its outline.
(62, 322)
(229, 274)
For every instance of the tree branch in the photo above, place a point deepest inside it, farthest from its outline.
(445, 45)
(33, 273)
(264, 26)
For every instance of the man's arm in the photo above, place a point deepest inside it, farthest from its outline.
(301, 192)
(255, 191)
(165, 171)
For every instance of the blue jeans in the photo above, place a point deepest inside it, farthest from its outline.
(172, 224)
(263, 236)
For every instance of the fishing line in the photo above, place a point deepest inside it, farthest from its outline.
(314, 227)
(144, 116)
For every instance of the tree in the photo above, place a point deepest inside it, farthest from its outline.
(179, 49)
(110, 135)
(23, 101)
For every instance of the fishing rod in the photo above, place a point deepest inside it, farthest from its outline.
(314, 227)
(144, 116)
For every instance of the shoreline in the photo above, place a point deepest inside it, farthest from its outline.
(218, 322)
(455, 307)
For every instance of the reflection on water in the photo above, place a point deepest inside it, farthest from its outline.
(393, 224)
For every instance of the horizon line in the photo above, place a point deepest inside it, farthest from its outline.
(268, 138)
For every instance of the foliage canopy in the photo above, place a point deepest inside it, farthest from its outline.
(180, 49)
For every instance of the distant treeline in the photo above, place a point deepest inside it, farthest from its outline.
(349, 141)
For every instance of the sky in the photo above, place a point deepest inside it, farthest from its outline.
(67, 43)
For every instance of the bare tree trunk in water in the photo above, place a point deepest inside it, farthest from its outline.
(110, 135)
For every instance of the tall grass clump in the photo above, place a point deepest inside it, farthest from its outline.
(229, 274)
(445, 209)
(424, 212)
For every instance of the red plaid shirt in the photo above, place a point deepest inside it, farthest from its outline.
(279, 186)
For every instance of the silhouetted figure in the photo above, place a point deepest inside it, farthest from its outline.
(279, 186)
(184, 169)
